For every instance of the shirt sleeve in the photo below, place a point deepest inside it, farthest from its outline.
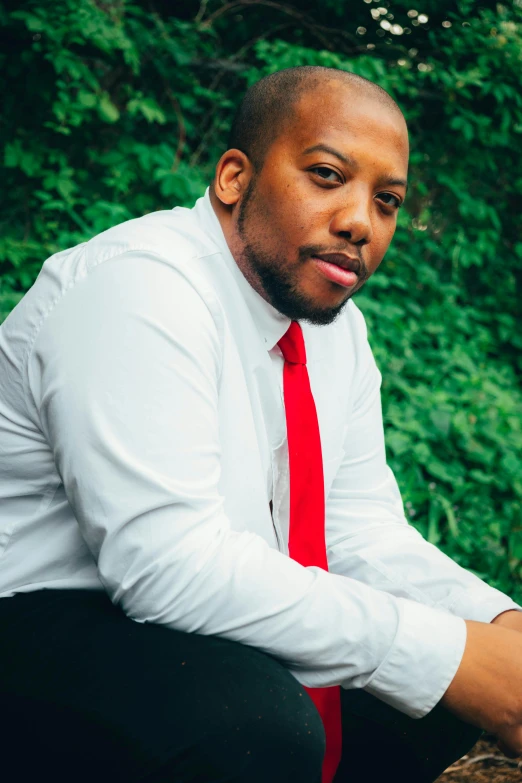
(125, 376)
(368, 536)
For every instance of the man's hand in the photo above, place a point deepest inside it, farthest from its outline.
(510, 619)
(487, 688)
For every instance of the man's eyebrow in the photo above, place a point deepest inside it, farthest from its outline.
(325, 148)
(352, 163)
(394, 181)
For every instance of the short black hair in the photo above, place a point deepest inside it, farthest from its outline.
(269, 104)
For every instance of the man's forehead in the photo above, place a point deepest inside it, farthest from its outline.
(346, 110)
(337, 119)
(345, 95)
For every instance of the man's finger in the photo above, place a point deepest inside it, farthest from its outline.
(510, 752)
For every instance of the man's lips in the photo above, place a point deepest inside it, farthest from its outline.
(339, 268)
(342, 260)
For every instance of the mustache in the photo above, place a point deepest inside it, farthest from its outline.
(307, 251)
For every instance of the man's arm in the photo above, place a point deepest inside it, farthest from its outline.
(125, 374)
(368, 536)
(487, 688)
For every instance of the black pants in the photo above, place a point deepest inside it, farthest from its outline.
(89, 696)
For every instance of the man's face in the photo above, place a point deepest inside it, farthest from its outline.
(316, 221)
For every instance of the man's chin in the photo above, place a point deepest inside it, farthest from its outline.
(278, 288)
(325, 317)
(301, 309)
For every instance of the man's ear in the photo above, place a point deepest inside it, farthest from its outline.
(233, 173)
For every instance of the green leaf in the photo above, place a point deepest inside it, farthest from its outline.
(107, 110)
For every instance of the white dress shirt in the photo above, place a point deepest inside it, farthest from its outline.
(143, 436)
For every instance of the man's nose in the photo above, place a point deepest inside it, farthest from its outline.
(353, 220)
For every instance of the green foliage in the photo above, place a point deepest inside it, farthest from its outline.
(115, 109)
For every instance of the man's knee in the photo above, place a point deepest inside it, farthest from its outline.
(266, 728)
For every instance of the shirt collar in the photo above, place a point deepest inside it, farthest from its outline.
(271, 324)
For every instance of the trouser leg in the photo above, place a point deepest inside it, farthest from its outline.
(91, 695)
(380, 743)
(88, 694)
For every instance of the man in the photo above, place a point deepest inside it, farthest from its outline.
(167, 450)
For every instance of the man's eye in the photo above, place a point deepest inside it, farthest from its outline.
(327, 174)
(390, 200)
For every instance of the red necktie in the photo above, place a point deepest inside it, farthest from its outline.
(307, 510)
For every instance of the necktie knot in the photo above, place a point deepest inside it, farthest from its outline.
(292, 344)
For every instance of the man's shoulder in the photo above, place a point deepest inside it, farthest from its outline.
(173, 237)
(173, 234)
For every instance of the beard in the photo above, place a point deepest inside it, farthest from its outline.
(264, 270)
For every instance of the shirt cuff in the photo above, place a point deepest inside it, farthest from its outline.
(424, 658)
(482, 604)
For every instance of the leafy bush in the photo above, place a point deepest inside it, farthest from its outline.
(114, 109)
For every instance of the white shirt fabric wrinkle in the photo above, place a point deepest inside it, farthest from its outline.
(143, 436)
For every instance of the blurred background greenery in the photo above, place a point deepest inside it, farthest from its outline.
(115, 108)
